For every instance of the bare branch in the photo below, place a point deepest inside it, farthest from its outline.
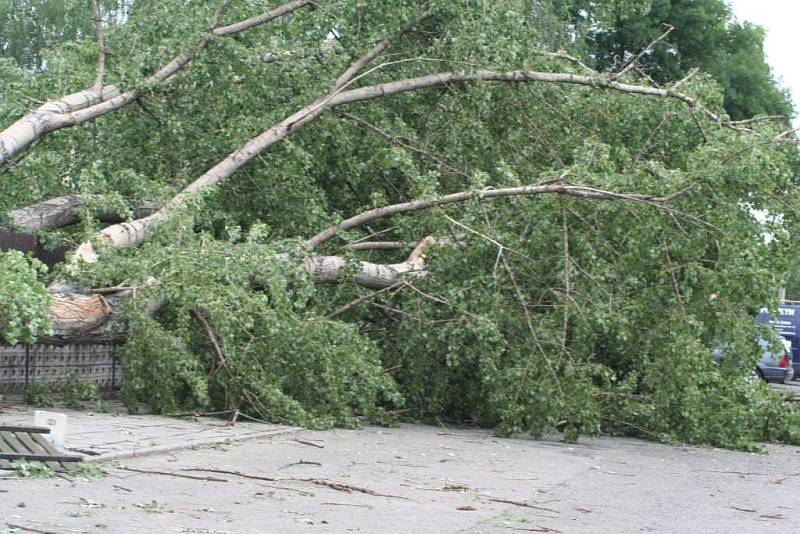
(680, 82)
(534, 189)
(211, 335)
(370, 296)
(567, 57)
(258, 20)
(357, 66)
(762, 118)
(635, 59)
(101, 48)
(382, 245)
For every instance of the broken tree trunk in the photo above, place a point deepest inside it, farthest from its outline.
(94, 317)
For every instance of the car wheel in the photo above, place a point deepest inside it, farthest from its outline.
(760, 374)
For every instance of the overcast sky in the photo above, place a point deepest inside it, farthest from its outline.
(781, 19)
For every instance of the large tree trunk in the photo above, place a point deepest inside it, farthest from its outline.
(64, 211)
(95, 317)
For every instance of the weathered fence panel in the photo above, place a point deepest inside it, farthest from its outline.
(21, 365)
(28, 243)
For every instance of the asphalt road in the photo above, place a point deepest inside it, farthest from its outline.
(420, 479)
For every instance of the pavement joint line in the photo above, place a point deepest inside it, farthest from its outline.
(174, 447)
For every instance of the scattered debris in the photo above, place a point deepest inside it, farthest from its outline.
(154, 507)
(168, 473)
(535, 529)
(466, 508)
(301, 462)
(339, 486)
(347, 488)
(743, 509)
(311, 443)
(455, 487)
(523, 504)
(31, 529)
(347, 504)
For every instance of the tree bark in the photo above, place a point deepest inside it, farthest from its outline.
(64, 211)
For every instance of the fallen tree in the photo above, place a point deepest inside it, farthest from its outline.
(579, 302)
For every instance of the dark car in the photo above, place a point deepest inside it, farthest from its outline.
(774, 366)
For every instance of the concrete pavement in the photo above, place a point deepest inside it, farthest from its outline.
(419, 479)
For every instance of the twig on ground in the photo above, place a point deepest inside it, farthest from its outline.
(311, 443)
(339, 486)
(347, 504)
(301, 462)
(743, 509)
(523, 504)
(234, 473)
(168, 473)
(30, 529)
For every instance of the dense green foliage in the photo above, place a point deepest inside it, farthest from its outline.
(29, 28)
(551, 314)
(23, 298)
(705, 36)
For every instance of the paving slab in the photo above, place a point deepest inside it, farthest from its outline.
(115, 433)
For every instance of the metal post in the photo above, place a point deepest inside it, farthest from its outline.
(27, 363)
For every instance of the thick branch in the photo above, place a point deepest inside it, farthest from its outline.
(135, 232)
(258, 20)
(101, 47)
(64, 211)
(87, 105)
(76, 317)
(47, 118)
(422, 204)
(444, 78)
